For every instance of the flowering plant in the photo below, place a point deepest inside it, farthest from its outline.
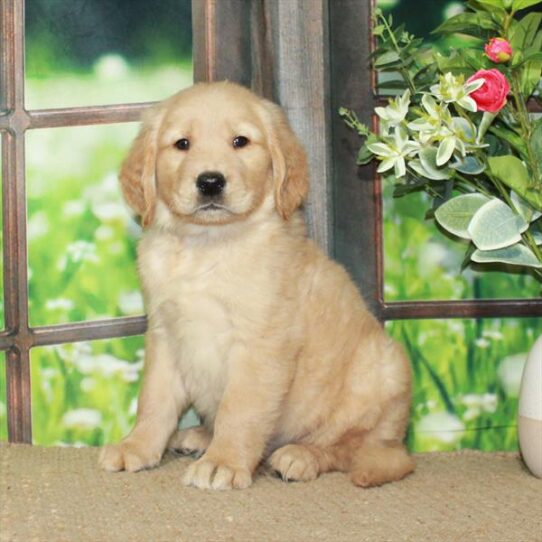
(459, 128)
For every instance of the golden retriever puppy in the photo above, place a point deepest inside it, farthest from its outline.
(249, 322)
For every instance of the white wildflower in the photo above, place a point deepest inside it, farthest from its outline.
(452, 89)
(82, 418)
(393, 151)
(482, 343)
(60, 303)
(79, 251)
(478, 403)
(87, 384)
(38, 226)
(131, 302)
(396, 111)
(441, 426)
(73, 208)
(47, 373)
(104, 233)
(111, 67)
(493, 335)
(489, 402)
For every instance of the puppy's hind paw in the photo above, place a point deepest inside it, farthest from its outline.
(192, 441)
(295, 463)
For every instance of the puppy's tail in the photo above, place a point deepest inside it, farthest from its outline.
(374, 465)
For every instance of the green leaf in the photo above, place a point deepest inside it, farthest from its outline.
(511, 171)
(528, 57)
(456, 214)
(492, 3)
(468, 23)
(402, 189)
(480, 5)
(428, 160)
(495, 226)
(522, 4)
(511, 137)
(536, 142)
(467, 257)
(364, 156)
(524, 31)
(524, 209)
(445, 150)
(530, 76)
(387, 58)
(470, 165)
(515, 255)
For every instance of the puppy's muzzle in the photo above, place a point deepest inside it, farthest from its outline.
(210, 184)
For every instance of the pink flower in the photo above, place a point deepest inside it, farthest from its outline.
(491, 96)
(498, 50)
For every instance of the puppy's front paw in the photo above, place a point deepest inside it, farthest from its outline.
(211, 474)
(129, 455)
(295, 463)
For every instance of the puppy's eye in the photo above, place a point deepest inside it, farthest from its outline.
(182, 144)
(240, 141)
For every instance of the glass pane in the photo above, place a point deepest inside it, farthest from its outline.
(422, 263)
(85, 393)
(81, 236)
(91, 52)
(1, 237)
(466, 380)
(3, 400)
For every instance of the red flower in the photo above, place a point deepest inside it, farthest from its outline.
(498, 50)
(491, 96)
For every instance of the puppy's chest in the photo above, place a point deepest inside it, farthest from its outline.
(199, 297)
(198, 309)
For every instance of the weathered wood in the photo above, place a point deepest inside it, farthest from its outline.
(14, 221)
(301, 85)
(357, 206)
(221, 40)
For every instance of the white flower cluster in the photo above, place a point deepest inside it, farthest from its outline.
(427, 143)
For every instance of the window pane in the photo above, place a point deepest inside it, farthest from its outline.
(3, 400)
(81, 236)
(466, 380)
(91, 52)
(85, 393)
(422, 263)
(1, 237)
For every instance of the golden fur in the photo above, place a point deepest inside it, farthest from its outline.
(249, 322)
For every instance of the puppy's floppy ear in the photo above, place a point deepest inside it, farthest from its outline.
(290, 167)
(137, 174)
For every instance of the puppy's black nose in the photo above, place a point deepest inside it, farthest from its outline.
(211, 183)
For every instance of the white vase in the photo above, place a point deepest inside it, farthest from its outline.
(530, 410)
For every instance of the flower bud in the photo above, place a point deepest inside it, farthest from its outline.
(498, 50)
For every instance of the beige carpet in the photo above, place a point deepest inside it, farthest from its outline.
(58, 494)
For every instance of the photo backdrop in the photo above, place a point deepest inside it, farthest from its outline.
(82, 239)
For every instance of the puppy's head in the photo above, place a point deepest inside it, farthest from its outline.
(212, 154)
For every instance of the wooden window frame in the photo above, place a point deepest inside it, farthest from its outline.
(259, 44)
